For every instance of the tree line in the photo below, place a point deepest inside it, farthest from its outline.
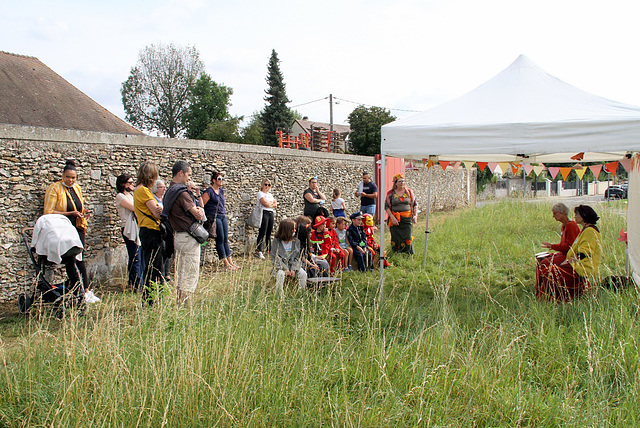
(168, 92)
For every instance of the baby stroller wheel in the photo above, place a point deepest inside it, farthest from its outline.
(24, 303)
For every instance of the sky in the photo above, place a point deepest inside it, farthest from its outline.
(403, 55)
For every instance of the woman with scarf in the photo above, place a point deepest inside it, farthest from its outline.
(570, 279)
(400, 204)
(65, 197)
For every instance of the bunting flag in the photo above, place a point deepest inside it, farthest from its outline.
(527, 169)
(636, 161)
(580, 172)
(626, 164)
(430, 163)
(611, 167)
(538, 169)
(444, 164)
(455, 166)
(504, 167)
(595, 169)
(578, 157)
(553, 170)
(565, 171)
(482, 166)
(468, 165)
(492, 166)
(515, 167)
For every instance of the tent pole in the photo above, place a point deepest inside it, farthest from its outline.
(381, 198)
(426, 227)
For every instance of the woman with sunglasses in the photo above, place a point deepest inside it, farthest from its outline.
(213, 200)
(268, 204)
(129, 229)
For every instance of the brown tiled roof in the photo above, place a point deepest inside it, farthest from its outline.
(32, 94)
(306, 124)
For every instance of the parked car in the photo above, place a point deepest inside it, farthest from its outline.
(616, 192)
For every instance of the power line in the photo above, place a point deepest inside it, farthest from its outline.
(310, 102)
(369, 105)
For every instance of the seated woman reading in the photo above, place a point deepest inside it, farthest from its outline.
(570, 232)
(569, 279)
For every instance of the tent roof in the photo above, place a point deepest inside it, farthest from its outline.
(522, 114)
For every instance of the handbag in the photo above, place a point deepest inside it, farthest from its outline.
(198, 232)
(255, 218)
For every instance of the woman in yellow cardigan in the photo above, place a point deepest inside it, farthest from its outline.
(570, 279)
(65, 197)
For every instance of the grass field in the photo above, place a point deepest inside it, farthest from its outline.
(461, 343)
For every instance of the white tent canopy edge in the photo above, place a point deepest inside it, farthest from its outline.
(523, 114)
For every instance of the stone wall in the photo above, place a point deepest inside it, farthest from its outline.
(32, 158)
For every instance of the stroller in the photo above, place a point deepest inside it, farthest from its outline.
(54, 240)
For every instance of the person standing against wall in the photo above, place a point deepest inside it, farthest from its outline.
(214, 207)
(269, 204)
(148, 214)
(129, 229)
(313, 198)
(182, 210)
(65, 197)
(368, 194)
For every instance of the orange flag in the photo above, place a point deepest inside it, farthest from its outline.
(444, 164)
(578, 157)
(565, 171)
(430, 163)
(482, 166)
(611, 167)
(515, 167)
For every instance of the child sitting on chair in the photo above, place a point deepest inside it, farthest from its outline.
(341, 255)
(286, 256)
(321, 242)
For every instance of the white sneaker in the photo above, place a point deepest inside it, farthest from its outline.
(260, 255)
(89, 297)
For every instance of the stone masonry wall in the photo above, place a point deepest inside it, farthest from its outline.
(32, 158)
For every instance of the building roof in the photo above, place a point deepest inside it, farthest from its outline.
(32, 94)
(306, 125)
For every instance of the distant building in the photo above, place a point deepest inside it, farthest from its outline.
(34, 95)
(318, 132)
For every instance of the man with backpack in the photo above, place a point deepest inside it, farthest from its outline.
(182, 212)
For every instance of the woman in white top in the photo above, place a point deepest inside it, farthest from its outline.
(124, 206)
(268, 204)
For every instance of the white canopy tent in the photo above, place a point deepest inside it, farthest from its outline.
(521, 115)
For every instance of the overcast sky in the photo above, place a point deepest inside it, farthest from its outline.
(406, 55)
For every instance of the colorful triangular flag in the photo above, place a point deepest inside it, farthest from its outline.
(595, 169)
(565, 171)
(626, 164)
(538, 169)
(482, 166)
(553, 171)
(611, 167)
(580, 172)
(444, 164)
(527, 169)
(468, 165)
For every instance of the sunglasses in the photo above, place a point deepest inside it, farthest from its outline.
(267, 184)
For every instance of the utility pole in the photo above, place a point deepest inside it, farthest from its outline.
(331, 113)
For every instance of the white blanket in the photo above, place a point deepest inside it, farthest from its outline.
(53, 236)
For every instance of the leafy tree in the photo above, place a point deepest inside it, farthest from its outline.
(223, 130)
(253, 132)
(275, 114)
(365, 123)
(156, 95)
(209, 103)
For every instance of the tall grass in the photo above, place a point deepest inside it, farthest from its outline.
(463, 342)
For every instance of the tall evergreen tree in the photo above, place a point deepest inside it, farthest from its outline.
(275, 114)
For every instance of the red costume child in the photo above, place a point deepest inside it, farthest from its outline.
(374, 248)
(322, 243)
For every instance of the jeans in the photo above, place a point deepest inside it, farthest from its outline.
(222, 237)
(151, 241)
(135, 266)
(368, 209)
(265, 230)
